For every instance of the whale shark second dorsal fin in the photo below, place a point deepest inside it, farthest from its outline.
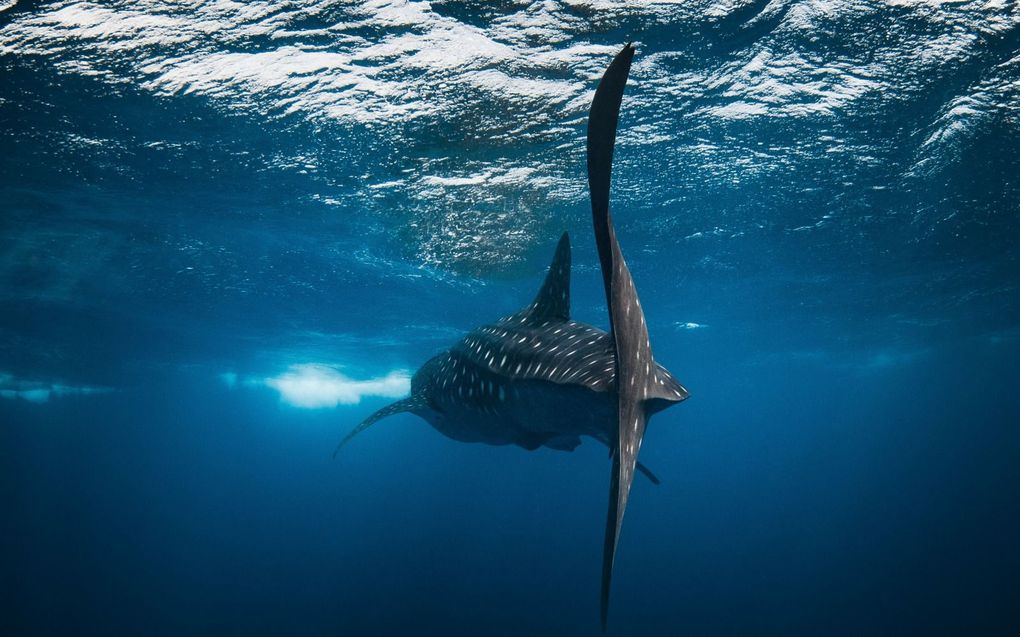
(553, 300)
(635, 368)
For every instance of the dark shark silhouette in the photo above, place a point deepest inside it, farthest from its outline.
(539, 379)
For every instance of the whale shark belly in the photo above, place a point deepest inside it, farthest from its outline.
(563, 409)
(531, 413)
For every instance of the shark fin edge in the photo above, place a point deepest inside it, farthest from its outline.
(410, 404)
(552, 303)
(637, 373)
(633, 419)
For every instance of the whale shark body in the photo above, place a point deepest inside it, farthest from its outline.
(537, 378)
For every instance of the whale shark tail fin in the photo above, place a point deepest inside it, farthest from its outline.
(412, 403)
(636, 370)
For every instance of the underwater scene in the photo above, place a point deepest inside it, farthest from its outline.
(746, 270)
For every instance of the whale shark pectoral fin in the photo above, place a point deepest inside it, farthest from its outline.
(654, 479)
(562, 443)
(411, 403)
(553, 299)
(664, 390)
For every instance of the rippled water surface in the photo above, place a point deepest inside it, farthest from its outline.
(230, 230)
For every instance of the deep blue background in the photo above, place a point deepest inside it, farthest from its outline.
(793, 501)
(820, 206)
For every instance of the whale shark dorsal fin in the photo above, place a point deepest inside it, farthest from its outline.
(635, 368)
(552, 303)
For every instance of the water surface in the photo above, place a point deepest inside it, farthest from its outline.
(229, 231)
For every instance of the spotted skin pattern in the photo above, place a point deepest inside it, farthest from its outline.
(534, 378)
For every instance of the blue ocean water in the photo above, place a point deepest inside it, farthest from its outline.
(230, 231)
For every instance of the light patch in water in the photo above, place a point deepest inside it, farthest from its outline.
(314, 386)
(229, 379)
(41, 392)
(689, 325)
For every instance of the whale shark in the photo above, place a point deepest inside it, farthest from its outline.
(538, 378)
